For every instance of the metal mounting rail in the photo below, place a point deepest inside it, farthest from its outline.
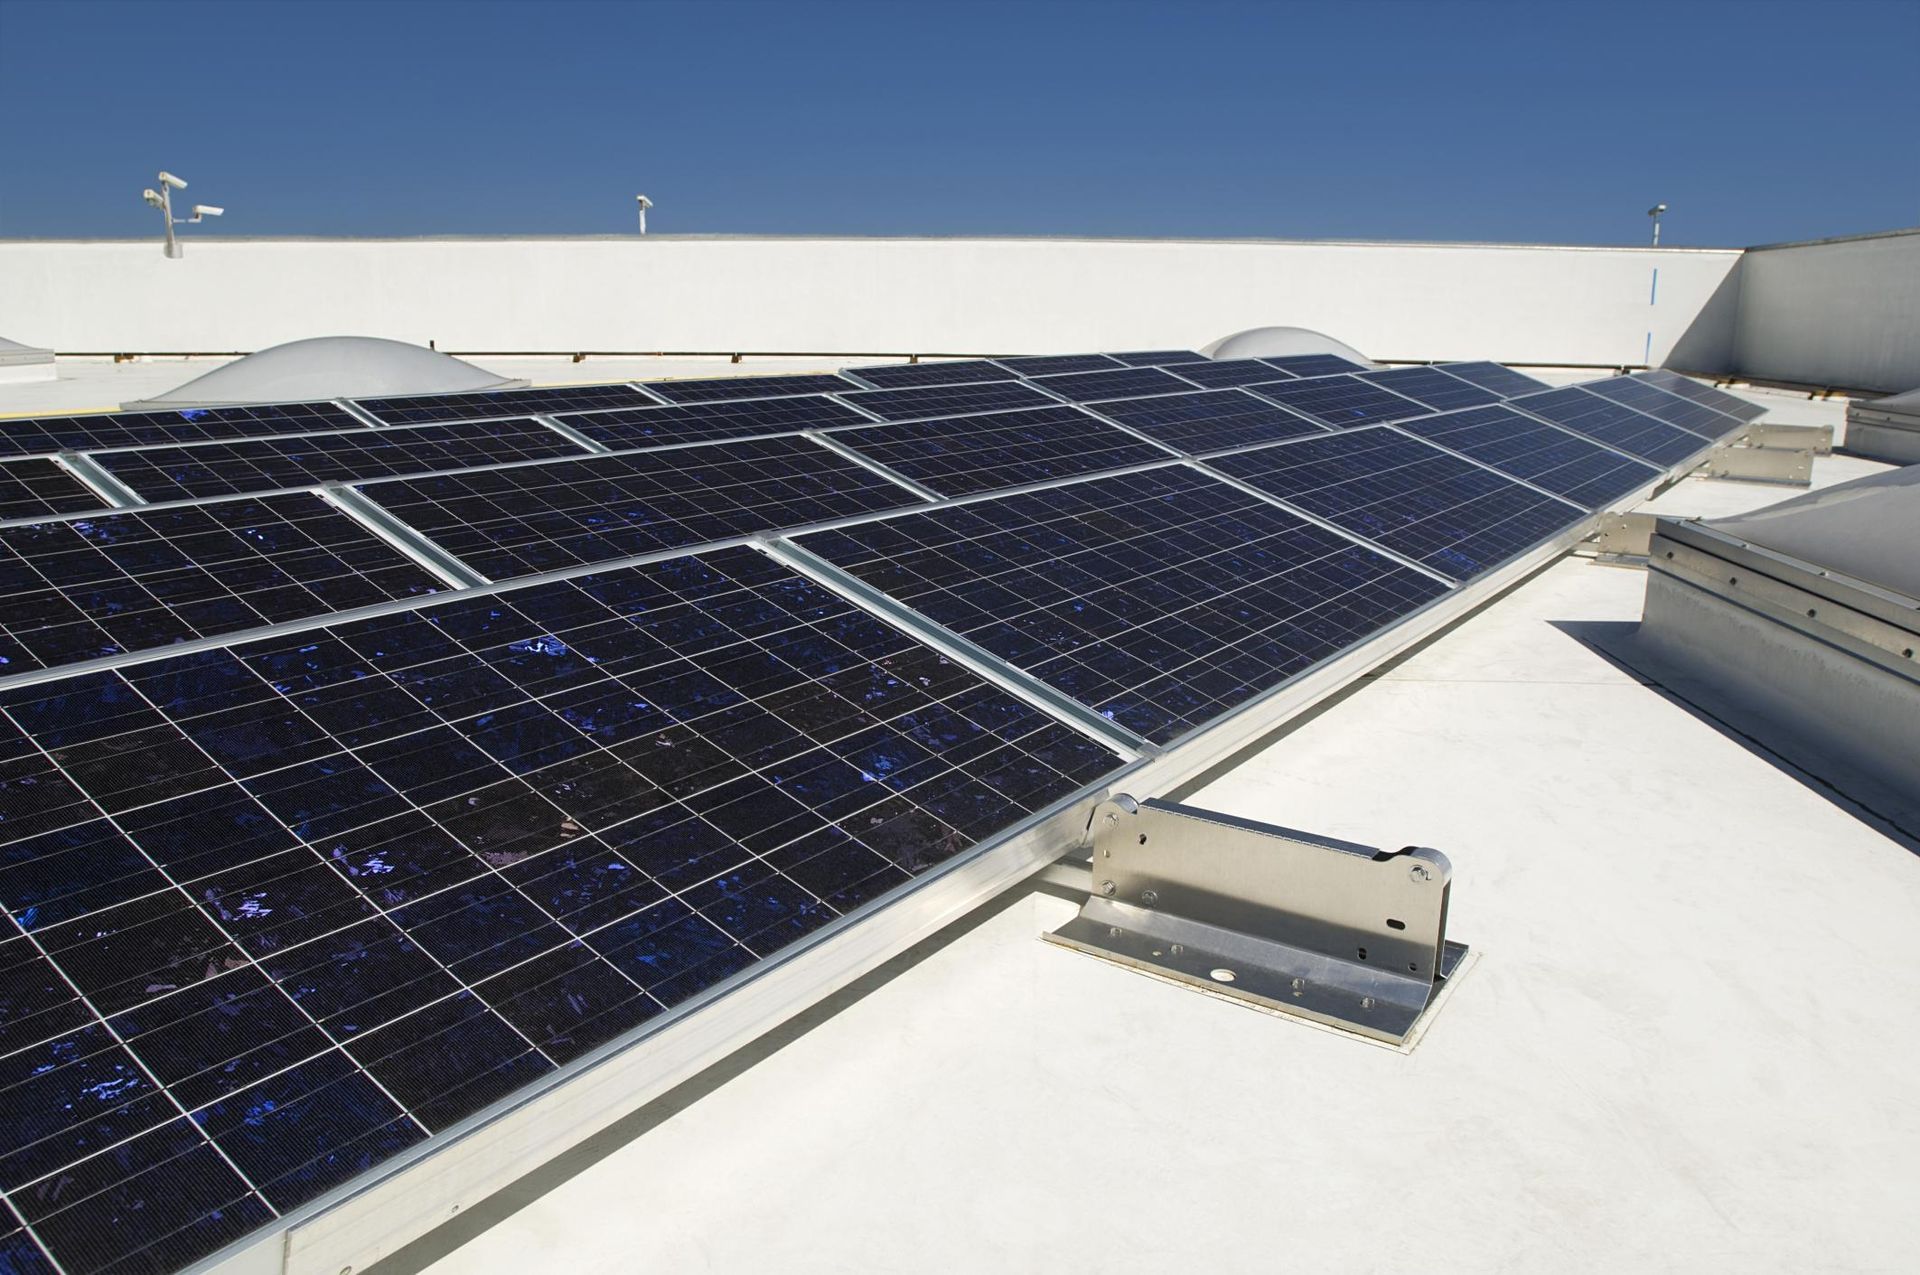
(1339, 933)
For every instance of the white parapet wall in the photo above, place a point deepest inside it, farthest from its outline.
(1517, 303)
(1841, 312)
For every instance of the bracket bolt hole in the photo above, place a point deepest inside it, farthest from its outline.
(1363, 953)
(1393, 924)
(1222, 975)
(1143, 838)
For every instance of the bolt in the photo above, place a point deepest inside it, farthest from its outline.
(1418, 873)
(1366, 1002)
(1107, 888)
(1299, 983)
(1178, 948)
(1113, 931)
(1149, 897)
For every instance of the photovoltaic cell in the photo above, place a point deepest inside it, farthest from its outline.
(922, 403)
(1158, 358)
(1616, 425)
(1159, 599)
(367, 880)
(497, 403)
(1644, 396)
(1313, 364)
(1209, 420)
(1447, 513)
(269, 464)
(1227, 372)
(961, 455)
(891, 376)
(1433, 387)
(724, 388)
(82, 588)
(1129, 382)
(1052, 364)
(33, 488)
(698, 422)
(1341, 402)
(1719, 400)
(556, 514)
(1503, 381)
(1546, 456)
(188, 425)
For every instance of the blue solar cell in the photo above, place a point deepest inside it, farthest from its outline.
(718, 389)
(1342, 402)
(1209, 420)
(1618, 426)
(965, 454)
(1131, 382)
(1503, 381)
(39, 488)
(1644, 396)
(187, 425)
(495, 404)
(949, 400)
(1160, 599)
(533, 518)
(1545, 455)
(1433, 387)
(1158, 358)
(672, 423)
(1313, 364)
(890, 376)
(1450, 514)
(1052, 364)
(1226, 373)
(1719, 400)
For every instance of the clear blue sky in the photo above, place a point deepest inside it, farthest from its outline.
(1553, 121)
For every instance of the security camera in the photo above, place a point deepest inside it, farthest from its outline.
(207, 210)
(172, 181)
(151, 195)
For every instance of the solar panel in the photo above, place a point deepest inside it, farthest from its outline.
(269, 464)
(1159, 599)
(949, 400)
(724, 388)
(1052, 364)
(83, 588)
(294, 951)
(33, 488)
(1209, 420)
(698, 422)
(1158, 358)
(1644, 396)
(1341, 402)
(1719, 400)
(498, 403)
(555, 514)
(188, 425)
(1545, 455)
(1130, 382)
(961, 455)
(890, 376)
(1503, 381)
(1313, 364)
(1450, 514)
(1614, 424)
(1226, 373)
(1433, 387)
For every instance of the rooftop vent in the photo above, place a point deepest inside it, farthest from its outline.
(329, 367)
(1886, 428)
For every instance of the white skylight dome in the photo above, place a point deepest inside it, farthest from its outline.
(1278, 342)
(330, 367)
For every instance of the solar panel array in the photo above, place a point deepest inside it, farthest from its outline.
(372, 851)
(1433, 387)
(1644, 396)
(1721, 401)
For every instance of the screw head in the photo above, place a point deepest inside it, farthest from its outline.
(1150, 897)
(1419, 873)
(1107, 888)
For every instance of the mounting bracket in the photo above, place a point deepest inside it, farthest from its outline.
(1339, 933)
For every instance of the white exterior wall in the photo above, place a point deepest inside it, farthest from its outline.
(1844, 312)
(1392, 300)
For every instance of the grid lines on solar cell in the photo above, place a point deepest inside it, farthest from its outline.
(497, 403)
(1431, 386)
(1563, 463)
(1209, 420)
(555, 514)
(34, 487)
(1226, 373)
(1053, 364)
(723, 388)
(334, 892)
(1158, 358)
(962, 455)
(696, 422)
(1614, 424)
(1719, 400)
(1447, 513)
(891, 376)
(1341, 401)
(82, 588)
(1644, 396)
(1128, 382)
(1503, 381)
(267, 464)
(188, 425)
(1159, 599)
(949, 400)
(1313, 364)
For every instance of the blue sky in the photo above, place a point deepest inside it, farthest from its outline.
(1554, 122)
